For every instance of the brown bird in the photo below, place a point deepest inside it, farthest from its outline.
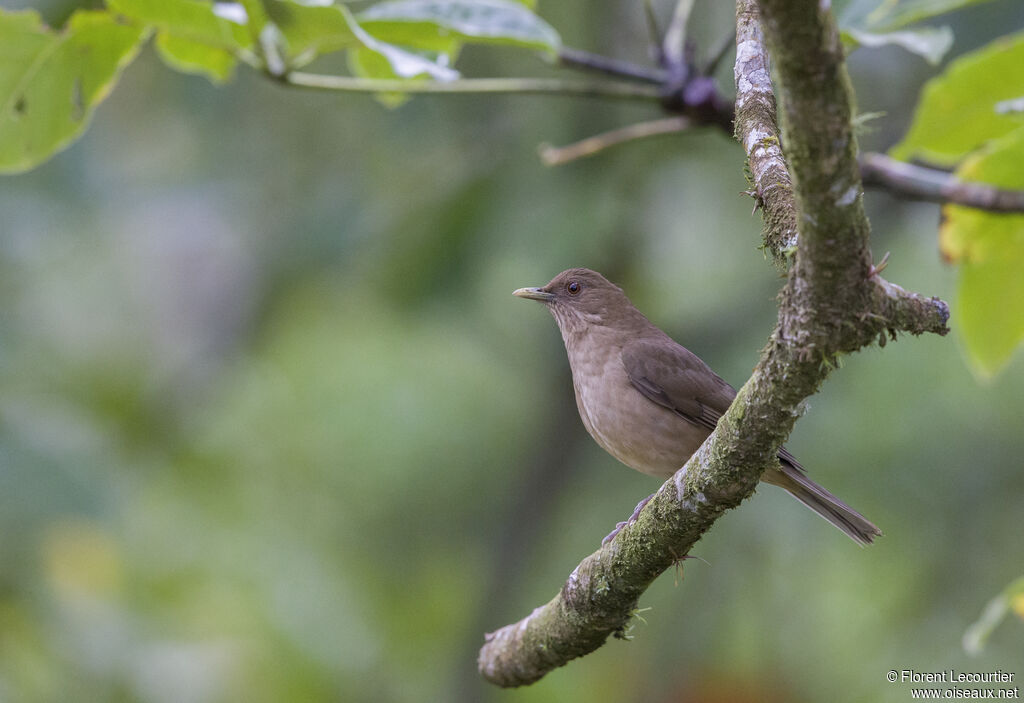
(649, 401)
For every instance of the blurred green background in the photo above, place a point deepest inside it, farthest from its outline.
(273, 428)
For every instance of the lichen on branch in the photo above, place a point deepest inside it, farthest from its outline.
(758, 132)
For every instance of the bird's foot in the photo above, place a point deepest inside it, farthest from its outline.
(611, 535)
(630, 521)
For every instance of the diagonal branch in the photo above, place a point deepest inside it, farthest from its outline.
(673, 45)
(556, 156)
(833, 302)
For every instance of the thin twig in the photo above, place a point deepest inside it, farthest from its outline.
(673, 45)
(719, 53)
(577, 58)
(556, 156)
(618, 90)
(654, 32)
(919, 183)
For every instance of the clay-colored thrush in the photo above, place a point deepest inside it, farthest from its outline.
(649, 401)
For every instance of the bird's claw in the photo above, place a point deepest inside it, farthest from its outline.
(617, 530)
(630, 521)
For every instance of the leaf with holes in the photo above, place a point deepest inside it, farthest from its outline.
(50, 82)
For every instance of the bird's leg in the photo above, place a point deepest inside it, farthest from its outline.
(630, 521)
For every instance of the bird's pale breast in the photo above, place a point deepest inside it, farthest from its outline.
(630, 427)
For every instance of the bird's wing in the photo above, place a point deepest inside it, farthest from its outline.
(674, 377)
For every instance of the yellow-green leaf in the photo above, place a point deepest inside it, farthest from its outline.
(377, 59)
(366, 63)
(1017, 603)
(994, 613)
(193, 57)
(311, 30)
(221, 25)
(990, 250)
(50, 82)
(957, 111)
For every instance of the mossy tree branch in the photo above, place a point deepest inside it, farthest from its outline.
(833, 302)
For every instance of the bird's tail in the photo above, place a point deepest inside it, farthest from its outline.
(793, 479)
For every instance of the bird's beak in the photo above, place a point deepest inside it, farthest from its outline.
(534, 294)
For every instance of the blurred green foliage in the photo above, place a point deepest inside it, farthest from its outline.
(990, 250)
(958, 109)
(273, 428)
(962, 120)
(50, 82)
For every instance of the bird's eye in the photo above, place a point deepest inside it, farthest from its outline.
(573, 287)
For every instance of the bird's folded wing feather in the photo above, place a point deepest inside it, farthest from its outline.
(674, 377)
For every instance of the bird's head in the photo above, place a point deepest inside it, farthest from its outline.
(580, 296)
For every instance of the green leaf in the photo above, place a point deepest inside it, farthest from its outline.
(990, 250)
(904, 12)
(407, 64)
(222, 25)
(957, 111)
(377, 59)
(365, 63)
(50, 82)
(887, 15)
(421, 23)
(1011, 599)
(255, 15)
(188, 56)
(931, 43)
(311, 30)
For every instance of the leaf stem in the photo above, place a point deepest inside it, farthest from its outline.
(675, 34)
(619, 90)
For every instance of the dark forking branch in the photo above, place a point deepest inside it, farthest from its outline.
(878, 171)
(833, 302)
(755, 104)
